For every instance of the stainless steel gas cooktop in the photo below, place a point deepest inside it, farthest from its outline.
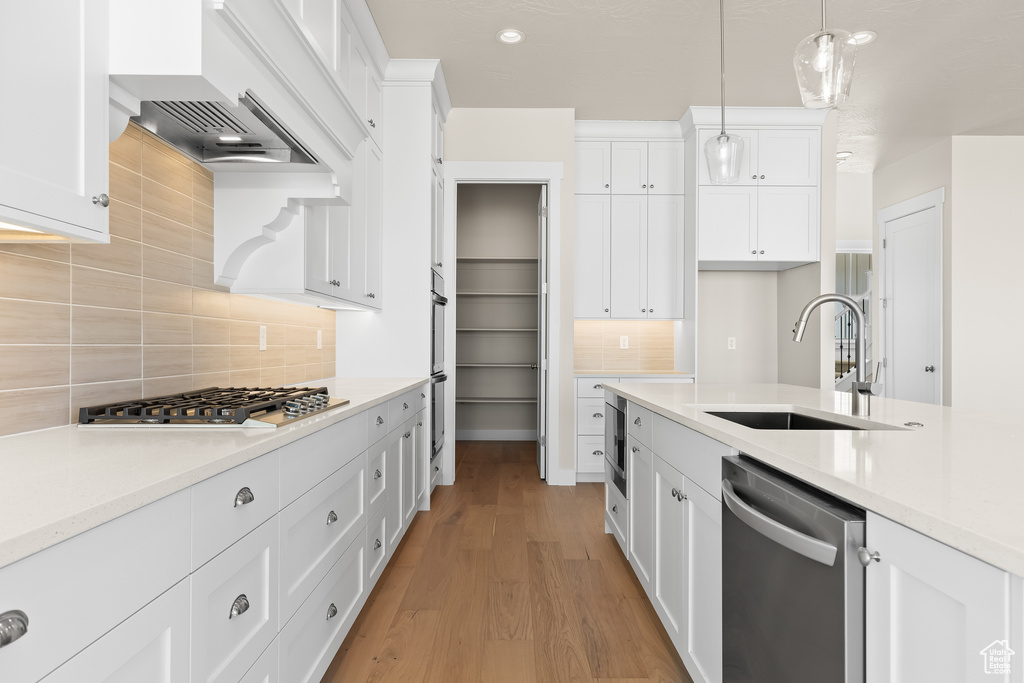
(215, 407)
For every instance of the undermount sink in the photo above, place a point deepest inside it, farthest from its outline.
(780, 420)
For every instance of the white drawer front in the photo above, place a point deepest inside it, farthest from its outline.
(698, 457)
(224, 647)
(590, 454)
(393, 505)
(405, 406)
(107, 573)
(265, 668)
(376, 477)
(230, 505)
(592, 387)
(312, 637)
(380, 423)
(435, 473)
(308, 461)
(640, 424)
(616, 513)
(376, 549)
(151, 645)
(590, 416)
(316, 529)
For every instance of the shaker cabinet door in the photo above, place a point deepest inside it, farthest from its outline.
(727, 223)
(629, 167)
(628, 246)
(787, 224)
(593, 168)
(664, 260)
(593, 256)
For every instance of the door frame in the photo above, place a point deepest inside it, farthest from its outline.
(933, 199)
(509, 173)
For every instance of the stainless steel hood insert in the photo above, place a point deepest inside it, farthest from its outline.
(212, 132)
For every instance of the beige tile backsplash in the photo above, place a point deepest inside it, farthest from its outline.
(596, 346)
(88, 324)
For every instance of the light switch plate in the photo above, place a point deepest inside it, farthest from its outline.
(319, 339)
(624, 341)
(731, 343)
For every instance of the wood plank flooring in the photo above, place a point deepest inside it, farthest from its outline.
(507, 579)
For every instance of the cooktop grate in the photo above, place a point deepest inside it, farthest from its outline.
(213, 405)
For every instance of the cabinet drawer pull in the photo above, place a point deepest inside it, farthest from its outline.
(244, 496)
(437, 468)
(13, 625)
(406, 435)
(101, 199)
(598, 452)
(239, 607)
(636, 449)
(615, 509)
(332, 612)
(599, 386)
(422, 395)
(380, 420)
(638, 422)
(598, 414)
(332, 517)
(377, 474)
(377, 544)
(419, 424)
(372, 124)
(405, 406)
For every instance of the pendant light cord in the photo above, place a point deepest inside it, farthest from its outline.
(822, 15)
(721, 24)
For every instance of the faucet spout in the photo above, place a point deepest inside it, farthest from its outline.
(861, 389)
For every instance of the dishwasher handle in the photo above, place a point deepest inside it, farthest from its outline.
(808, 546)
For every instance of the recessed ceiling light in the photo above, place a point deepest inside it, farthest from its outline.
(863, 37)
(511, 36)
(230, 138)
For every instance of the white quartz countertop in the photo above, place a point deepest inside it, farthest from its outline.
(958, 478)
(59, 482)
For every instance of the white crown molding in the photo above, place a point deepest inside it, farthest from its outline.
(420, 72)
(628, 130)
(711, 117)
(367, 29)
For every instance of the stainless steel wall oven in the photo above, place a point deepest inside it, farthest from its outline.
(437, 376)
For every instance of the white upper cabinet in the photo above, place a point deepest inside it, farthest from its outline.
(727, 223)
(593, 168)
(53, 168)
(771, 156)
(629, 244)
(647, 167)
(933, 612)
(666, 258)
(593, 256)
(647, 263)
(739, 223)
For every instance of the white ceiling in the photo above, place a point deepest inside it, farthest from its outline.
(938, 68)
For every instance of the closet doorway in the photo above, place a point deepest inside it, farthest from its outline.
(501, 313)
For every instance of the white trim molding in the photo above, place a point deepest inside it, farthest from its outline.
(511, 172)
(854, 246)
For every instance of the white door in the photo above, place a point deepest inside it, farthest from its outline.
(542, 332)
(931, 610)
(912, 306)
(437, 222)
(393, 506)
(640, 484)
(787, 224)
(788, 156)
(629, 247)
(629, 167)
(727, 223)
(664, 257)
(665, 161)
(319, 248)
(702, 651)
(669, 550)
(593, 168)
(593, 256)
(53, 127)
(374, 228)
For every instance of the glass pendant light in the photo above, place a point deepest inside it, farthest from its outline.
(724, 152)
(824, 66)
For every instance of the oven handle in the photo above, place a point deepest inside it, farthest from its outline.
(438, 299)
(434, 379)
(808, 546)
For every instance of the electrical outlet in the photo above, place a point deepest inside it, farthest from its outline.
(263, 337)
(624, 341)
(731, 343)
(319, 339)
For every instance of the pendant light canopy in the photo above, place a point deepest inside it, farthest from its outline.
(725, 152)
(824, 66)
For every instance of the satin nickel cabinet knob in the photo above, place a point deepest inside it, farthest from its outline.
(377, 474)
(332, 517)
(929, 368)
(635, 449)
(607, 185)
(762, 251)
(332, 612)
(606, 310)
(615, 509)
(377, 544)
(675, 493)
(599, 386)
(13, 625)
(598, 452)
(405, 406)
(762, 176)
(645, 187)
(598, 415)
(406, 435)
(753, 177)
(638, 422)
(865, 556)
(643, 310)
(372, 124)
(239, 607)
(380, 420)
(244, 496)
(754, 251)
(101, 199)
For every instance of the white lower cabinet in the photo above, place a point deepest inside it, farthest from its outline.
(640, 484)
(409, 447)
(701, 649)
(669, 550)
(393, 504)
(309, 641)
(234, 607)
(934, 613)
(265, 668)
(151, 645)
(376, 548)
(616, 514)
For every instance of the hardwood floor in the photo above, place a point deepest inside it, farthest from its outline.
(507, 579)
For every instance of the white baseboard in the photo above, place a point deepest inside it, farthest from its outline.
(590, 476)
(496, 435)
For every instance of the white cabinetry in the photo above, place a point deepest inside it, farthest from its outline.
(593, 167)
(647, 167)
(932, 611)
(593, 255)
(646, 250)
(771, 218)
(53, 170)
(640, 484)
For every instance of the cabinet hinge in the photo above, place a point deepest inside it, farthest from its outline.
(543, 440)
(544, 212)
(883, 243)
(885, 303)
(544, 288)
(885, 362)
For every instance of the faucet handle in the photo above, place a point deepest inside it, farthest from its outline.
(875, 387)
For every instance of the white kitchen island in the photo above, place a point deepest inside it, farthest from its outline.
(924, 474)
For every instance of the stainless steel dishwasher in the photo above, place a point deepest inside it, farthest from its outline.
(792, 586)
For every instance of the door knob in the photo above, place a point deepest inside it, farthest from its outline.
(929, 368)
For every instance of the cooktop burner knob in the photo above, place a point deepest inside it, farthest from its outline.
(291, 408)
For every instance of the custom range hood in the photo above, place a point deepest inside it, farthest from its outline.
(213, 132)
